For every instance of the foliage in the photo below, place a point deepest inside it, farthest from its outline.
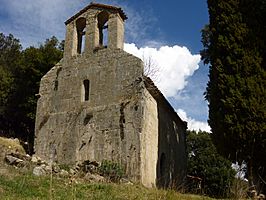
(111, 170)
(234, 47)
(204, 162)
(10, 53)
(21, 72)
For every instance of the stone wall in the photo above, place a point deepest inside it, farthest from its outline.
(115, 33)
(149, 140)
(163, 142)
(95, 105)
(107, 126)
(172, 157)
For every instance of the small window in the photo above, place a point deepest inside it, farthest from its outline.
(86, 90)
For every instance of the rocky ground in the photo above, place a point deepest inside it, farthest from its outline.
(13, 154)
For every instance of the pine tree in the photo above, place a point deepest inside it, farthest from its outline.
(235, 50)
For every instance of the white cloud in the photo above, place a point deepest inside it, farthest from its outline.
(192, 123)
(175, 65)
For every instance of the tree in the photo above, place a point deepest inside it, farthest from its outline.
(10, 53)
(204, 162)
(234, 47)
(151, 68)
(31, 65)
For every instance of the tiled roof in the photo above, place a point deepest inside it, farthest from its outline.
(97, 5)
(159, 97)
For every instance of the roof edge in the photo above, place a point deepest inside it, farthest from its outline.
(98, 5)
(156, 94)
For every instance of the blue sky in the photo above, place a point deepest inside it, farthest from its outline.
(169, 30)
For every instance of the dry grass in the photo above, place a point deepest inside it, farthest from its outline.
(10, 145)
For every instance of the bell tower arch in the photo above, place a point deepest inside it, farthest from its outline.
(95, 27)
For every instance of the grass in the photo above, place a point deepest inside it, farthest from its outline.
(17, 184)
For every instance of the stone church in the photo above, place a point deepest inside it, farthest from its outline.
(96, 104)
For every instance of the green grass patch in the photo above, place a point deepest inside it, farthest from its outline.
(27, 186)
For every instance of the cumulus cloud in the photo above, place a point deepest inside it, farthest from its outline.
(192, 123)
(175, 64)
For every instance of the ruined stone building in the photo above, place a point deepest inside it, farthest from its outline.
(96, 104)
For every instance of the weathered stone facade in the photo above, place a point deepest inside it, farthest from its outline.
(96, 104)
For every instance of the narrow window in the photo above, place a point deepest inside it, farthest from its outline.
(103, 28)
(86, 89)
(80, 24)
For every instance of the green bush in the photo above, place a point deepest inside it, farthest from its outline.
(205, 162)
(111, 170)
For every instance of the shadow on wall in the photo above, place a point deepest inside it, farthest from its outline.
(171, 165)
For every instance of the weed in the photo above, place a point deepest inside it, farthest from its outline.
(239, 189)
(113, 171)
(64, 167)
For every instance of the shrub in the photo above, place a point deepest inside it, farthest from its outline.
(111, 170)
(204, 161)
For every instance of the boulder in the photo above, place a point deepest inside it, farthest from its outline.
(261, 197)
(63, 173)
(35, 159)
(72, 171)
(94, 178)
(12, 160)
(56, 168)
(39, 171)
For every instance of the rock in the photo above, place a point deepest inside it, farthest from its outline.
(35, 159)
(261, 197)
(89, 166)
(94, 178)
(125, 181)
(72, 171)
(12, 160)
(28, 157)
(95, 163)
(77, 168)
(39, 171)
(48, 168)
(56, 168)
(24, 157)
(63, 173)
(43, 166)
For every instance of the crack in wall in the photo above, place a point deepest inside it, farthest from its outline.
(122, 120)
(56, 79)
